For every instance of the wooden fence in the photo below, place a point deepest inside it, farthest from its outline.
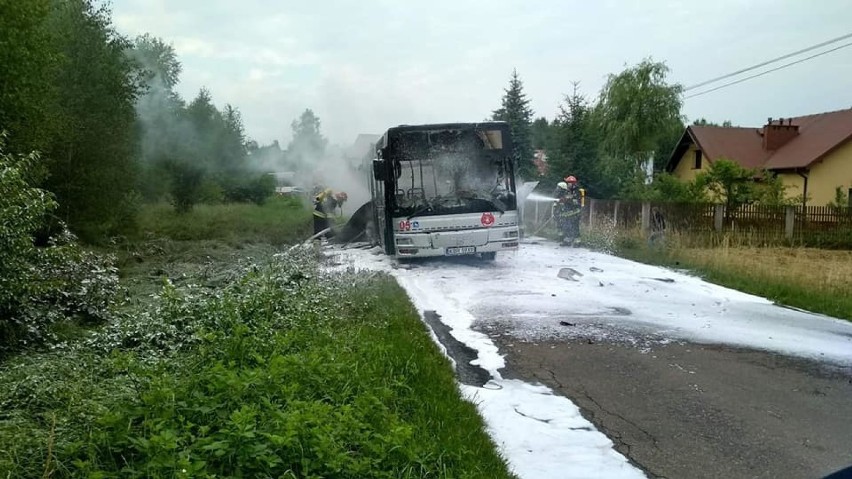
(817, 226)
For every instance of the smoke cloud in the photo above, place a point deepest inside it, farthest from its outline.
(342, 171)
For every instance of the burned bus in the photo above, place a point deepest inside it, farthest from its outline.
(444, 190)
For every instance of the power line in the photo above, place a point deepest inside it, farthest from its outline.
(768, 71)
(783, 57)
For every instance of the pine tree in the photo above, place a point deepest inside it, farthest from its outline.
(574, 146)
(516, 111)
(540, 133)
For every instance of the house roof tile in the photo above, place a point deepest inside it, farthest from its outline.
(818, 135)
(745, 145)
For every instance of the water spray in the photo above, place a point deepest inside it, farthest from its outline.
(539, 198)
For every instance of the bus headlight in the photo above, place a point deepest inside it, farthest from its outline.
(404, 241)
(510, 234)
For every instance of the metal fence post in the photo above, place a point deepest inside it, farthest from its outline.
(536, 214)
(719, 217)
(591, 213)
(646, 216)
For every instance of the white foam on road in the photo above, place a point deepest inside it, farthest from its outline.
(543, 435)
(525, 292)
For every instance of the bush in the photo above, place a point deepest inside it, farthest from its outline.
(284, 372)
(186, 182)
(40, 286)
(250, 188)
(210, 192)
(23, 210)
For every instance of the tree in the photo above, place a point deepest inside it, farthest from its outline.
(27, 67)
(157, 74)
(92, 168)
(574, 148)
(666, 187)
(233, 141)
(770, 190)
(185, 185)
(638, 114)
(841, 200)
(162, 127)
(308, 145)
(729, 182)
(704, 122)
(540, 133)
(515, 110)
(194, 162)
(157, 62)
(207, 125)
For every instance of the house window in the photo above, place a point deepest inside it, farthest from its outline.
(697, 165)
(849, 196)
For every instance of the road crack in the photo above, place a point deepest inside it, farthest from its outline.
(597, 418)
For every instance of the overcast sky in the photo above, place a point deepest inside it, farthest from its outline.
(363, 66)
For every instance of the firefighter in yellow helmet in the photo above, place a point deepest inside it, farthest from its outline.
(324, 204)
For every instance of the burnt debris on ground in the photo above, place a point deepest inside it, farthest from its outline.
(469, 374)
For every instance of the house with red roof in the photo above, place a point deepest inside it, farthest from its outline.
(811, 154)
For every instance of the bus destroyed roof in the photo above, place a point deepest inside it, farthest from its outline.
(406, 142)
(484, 125)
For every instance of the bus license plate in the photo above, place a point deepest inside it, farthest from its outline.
(461, 250)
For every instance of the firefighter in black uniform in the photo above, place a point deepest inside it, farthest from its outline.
(567, 209)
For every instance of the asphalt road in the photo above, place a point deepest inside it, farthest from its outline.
(696, 411)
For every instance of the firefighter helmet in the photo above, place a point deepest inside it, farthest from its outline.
(562, 185)
(570, 179)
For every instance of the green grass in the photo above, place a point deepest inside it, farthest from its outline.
(811, 279)
(279, 221)
(275, 371)
(780, 291)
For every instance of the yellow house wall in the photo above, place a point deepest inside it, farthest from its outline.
(793, 184)
(684, 170)
(835, 170)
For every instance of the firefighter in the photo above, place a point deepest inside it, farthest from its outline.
(324, 204)
(559, 208)
(569, 204)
